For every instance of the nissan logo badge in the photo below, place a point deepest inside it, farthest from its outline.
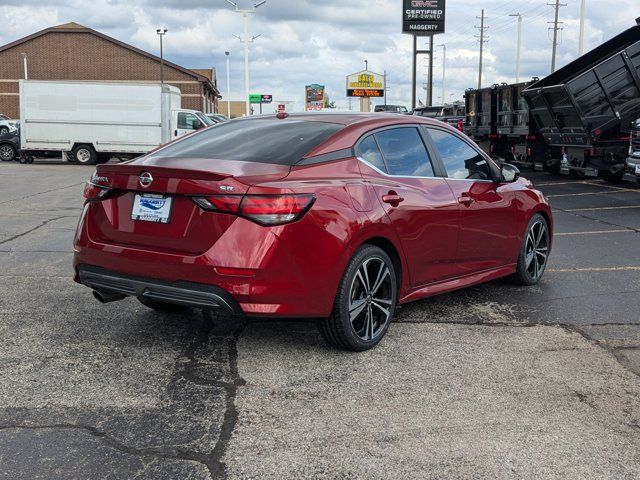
(145, 179)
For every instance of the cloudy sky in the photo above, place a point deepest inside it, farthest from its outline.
(322, 41)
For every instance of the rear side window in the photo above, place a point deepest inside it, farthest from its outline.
(282, 142)
(460, 160)
(404, 152)
(368, 150)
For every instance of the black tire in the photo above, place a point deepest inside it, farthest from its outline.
(162, 307)
(8, 153)
(84, 155)
(371, 319)
(534, 253)
(610, 177)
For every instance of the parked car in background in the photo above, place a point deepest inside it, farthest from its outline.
(391, 109)
(7, 125)
(633, 159)
(91, 122)
(451, 114)
(217, 117)
(393, 209)
(9, 146)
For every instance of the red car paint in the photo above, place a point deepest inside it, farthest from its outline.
(445, 233)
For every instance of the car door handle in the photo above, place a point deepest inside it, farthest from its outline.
(393, 199)
(465, 200)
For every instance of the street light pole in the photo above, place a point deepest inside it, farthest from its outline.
(24, 61)
(519, 43)
(581, 40)
(161, 33)
(228, 87)
(444, 60)
(245, 40)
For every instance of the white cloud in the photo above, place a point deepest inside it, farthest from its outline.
(323, 41)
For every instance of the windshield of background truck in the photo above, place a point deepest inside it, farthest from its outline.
(204, 119)
(431, 111)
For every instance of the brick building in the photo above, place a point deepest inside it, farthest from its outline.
(74, 52)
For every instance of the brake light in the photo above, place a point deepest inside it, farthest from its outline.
(268, 210)
(460, 125)
(95, 192)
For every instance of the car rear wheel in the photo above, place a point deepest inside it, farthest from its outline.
(162, 307)
(7, 153)
(534, 252)
(365, 302)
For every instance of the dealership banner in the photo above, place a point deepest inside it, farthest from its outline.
(365, 84)
(314, 97)
(423, 17)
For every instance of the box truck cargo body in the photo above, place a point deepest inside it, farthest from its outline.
(91, 122)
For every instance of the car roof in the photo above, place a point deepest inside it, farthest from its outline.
(346, 118)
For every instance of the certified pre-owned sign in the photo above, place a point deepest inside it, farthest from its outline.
(423, 17)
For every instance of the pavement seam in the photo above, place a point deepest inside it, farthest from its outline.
(604, 222)
(44, 222)
(42, 193)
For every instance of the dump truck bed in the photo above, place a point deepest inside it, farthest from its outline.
(594, 98)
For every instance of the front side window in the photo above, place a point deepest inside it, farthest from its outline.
(404, 152)
(460, 160)
(186, 121)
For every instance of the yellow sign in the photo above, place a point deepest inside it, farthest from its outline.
(365, 84)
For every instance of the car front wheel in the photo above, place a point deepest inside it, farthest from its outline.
(534, 252)
(365, 302)
(7, 153)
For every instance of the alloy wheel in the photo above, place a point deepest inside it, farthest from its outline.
(6, 153)
(536, 249)
(370, 299)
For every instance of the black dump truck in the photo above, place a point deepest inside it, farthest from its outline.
(587, 107)
(498, 119)
(633, 160)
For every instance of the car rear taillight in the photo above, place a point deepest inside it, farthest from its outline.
(95, 192)
(265, 210)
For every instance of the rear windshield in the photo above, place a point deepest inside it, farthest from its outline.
(282, 142)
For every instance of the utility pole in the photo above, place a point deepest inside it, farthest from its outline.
(246, 41)
(482, 28)
(519, 44)
(557, 6)
(228, 87)
(161, 32)
(581, 41)
(444, 60)
(24, 62)
(385, 87)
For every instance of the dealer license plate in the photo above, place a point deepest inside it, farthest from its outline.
(149, 207)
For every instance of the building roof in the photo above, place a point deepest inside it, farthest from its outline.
(73, 27)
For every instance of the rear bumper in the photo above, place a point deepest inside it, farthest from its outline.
(180, 293)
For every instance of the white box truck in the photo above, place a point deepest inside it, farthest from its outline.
(91, 122)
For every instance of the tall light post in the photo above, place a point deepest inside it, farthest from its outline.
(581, 39)
(246, 40)
(228, 87)
(444, 60)
(519, 43)
(24, 62)
(161, 32)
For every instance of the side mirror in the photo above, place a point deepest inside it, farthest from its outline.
(509, 173)
(197, 125)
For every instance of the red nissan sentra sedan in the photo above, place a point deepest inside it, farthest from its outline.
(332, 216)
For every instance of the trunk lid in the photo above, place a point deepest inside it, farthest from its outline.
(189, 229)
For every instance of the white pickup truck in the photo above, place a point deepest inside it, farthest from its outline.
(91, 122)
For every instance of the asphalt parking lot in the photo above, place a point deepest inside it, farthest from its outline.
(495, 381)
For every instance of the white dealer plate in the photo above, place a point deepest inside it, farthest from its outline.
(151, 208)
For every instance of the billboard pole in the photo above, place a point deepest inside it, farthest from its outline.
(413, 72)
(430, 85)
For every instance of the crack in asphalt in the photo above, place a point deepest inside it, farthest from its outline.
(116, 444)
(42, 193)
(44, 222)
(604, 222)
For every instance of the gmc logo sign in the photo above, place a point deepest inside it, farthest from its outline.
(424, 3)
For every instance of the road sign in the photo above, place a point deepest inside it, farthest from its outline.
(260, 98)
(423, 17)
(281, 107)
